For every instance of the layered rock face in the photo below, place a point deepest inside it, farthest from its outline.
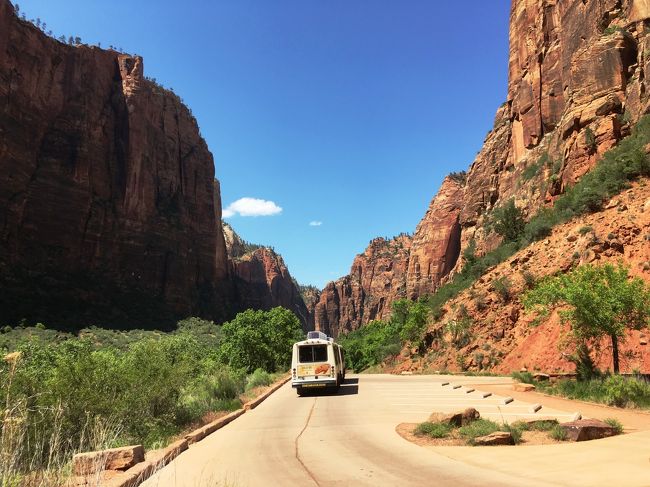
(261, 279)
(436, 243)
(108, 206)
(377, 278)
(577, 83)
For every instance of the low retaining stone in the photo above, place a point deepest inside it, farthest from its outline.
(496, 438)
(93, 462)
(587, 429)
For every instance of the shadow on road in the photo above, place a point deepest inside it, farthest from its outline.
(349, 387)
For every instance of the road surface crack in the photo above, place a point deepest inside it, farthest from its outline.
(295, 444)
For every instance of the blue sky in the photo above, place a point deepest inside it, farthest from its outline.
(347, 113)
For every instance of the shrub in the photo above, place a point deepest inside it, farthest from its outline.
(533, 170)
(525, 377)
(557, 433)
(508, 221)
(480, 427)
(515, 431)
(616, 424)
(460, 331)
(434, 430)
(502, 287)
(258, 378)
(623, 392)
(585, 229)
(529, 279)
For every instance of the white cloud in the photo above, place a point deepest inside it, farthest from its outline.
(251, 207)
(315, 223)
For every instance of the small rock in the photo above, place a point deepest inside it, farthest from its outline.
(588, 256)
(496, 438)
(523, 387)
(643, 340)
(622, 207)
(587, 429)
(572, 238)
(456, 419)
(541, 376)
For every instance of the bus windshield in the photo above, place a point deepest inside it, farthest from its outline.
(312, 353)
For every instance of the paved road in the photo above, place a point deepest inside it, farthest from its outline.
(347, 439)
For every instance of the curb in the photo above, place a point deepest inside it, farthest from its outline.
(258, 400)
(143, 470)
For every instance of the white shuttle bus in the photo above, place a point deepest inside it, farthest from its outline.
(318, 362)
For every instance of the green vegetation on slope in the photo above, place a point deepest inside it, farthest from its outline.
(602, 301)
(613, 173)
(613, 390)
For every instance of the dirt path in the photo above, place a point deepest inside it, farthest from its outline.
(632, 420)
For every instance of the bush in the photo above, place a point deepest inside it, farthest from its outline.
(613, 390)
(515, 430)
(434, 430)
(508, 221)
(625, 392)
(502, 287)
(480, 427)
(525, 377)
(616, 424)
(557, 433)
(258, 378)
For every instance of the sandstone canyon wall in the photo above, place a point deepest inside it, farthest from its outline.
(110, 213)
(261, 279)
(577, 83)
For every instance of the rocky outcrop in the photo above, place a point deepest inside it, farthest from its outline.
(108, 213)
(436, 244)
(577, 83)
(377, 278)
(403, 267)
(261, 279)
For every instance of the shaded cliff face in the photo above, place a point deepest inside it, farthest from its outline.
(261, 279)
(577, 83)
(107, 203)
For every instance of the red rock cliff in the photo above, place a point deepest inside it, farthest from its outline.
(377, 278)
(106, 189)
(577, 83)
(261, 279)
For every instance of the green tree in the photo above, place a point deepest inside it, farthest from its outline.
(260, 339)
(416, 321)
(509, 221)
(602, 301)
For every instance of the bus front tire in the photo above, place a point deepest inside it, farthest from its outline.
(299, 391)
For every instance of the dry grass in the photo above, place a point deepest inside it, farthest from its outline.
(33, 450)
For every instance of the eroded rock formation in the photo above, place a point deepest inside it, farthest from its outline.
(577, 83)
(261, 279)
(108, 213)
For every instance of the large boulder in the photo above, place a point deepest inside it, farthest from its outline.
(496, 438)
(587, 429)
